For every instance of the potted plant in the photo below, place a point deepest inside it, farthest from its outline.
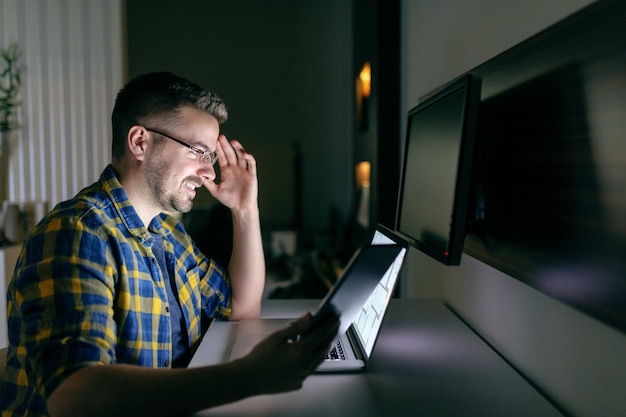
(10, 80)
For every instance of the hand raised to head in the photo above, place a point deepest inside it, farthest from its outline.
(238, 186)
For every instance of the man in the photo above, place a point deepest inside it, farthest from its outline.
(110, 293)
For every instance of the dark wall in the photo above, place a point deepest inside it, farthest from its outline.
(377, 127)
(287, 71)
(284, 69)
(551, 166)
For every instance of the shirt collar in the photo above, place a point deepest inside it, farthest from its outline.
(111, 185)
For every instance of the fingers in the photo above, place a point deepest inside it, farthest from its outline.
(320, 337)
(283, 360)
(317, 340)
(296, 328)
(315, 345)
(233, 153)
(226, 154)
(251, 163)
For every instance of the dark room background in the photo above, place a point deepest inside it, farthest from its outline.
(284, 69)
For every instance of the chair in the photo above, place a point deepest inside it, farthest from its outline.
(3, 361)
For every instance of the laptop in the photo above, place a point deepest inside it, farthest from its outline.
(361, 295)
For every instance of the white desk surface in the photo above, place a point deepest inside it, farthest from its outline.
(426, 362)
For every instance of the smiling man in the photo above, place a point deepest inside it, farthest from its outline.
(110, 294)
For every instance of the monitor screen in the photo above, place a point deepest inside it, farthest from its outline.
(436, 171)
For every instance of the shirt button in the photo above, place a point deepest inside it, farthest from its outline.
(166, 364)
(167, 309)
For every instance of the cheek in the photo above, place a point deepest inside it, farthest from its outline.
(172, 173)
(165, 170)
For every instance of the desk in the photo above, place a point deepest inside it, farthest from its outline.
(426, 362)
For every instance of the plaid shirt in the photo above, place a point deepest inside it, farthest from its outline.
(88, 290)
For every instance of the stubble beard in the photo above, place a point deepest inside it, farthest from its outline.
(158, 176)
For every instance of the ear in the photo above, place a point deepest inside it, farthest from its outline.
(137, 142)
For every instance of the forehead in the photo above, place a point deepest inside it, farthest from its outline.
(198, 127)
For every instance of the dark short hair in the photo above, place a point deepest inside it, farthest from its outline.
(158, 95)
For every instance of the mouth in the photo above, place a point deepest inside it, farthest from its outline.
(191, 186)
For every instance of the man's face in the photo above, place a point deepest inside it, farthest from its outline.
(173, 171)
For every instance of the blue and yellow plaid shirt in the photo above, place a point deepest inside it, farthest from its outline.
(88, 290)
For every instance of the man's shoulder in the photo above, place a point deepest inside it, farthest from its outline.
(91, 203)
(90, 212)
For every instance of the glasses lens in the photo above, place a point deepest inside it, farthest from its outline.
(209, 158)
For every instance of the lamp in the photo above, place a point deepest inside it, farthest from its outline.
(363, 90)
(362, 172)
(365, 77)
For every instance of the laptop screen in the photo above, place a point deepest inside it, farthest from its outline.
(368, 322)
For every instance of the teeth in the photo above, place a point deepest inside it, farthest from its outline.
(190, 185)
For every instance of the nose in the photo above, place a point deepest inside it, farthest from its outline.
(207, 172)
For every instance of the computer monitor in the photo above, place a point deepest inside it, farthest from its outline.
(432, 211)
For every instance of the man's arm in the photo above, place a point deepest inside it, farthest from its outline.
(280, 363)
(247, 265)
(238, 190)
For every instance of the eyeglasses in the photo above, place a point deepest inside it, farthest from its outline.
(206, 157)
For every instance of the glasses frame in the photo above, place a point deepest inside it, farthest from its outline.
(206, 157)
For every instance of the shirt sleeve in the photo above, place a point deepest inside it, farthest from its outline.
(199, 269)
(64, 290)
(216, 292)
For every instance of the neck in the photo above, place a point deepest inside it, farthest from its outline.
(130, 179)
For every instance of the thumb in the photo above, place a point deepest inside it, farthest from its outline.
(297, 327)
(210, 185)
